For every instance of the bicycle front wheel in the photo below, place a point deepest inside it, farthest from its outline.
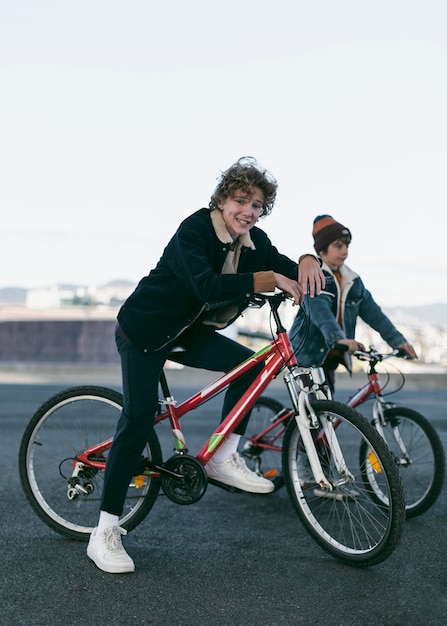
(419, 454)
(70, 422)
(344, 519)
(261, 446)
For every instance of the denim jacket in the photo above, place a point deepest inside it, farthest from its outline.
(315, 329)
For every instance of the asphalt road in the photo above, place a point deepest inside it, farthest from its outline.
(230, 559)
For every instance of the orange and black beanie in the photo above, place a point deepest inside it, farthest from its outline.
(326, 230)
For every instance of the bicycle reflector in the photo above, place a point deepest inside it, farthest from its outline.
(374, 461)
(139, 481)
(270, 474)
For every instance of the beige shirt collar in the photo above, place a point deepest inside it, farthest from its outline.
(223, 233)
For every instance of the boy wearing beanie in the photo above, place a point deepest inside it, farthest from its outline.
(331, 318)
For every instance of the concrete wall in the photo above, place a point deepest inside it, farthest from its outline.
(49, 350)
(58, 341)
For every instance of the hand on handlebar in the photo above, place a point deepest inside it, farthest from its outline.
(291, 287)
(349, 345)
(310, 276)
(408, 350)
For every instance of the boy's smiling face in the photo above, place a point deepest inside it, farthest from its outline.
(241, 212)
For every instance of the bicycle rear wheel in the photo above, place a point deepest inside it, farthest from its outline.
(422, 469)
(347, 522)
(261, 446)
(70, 422)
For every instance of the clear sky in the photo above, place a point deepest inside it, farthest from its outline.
(116, 118)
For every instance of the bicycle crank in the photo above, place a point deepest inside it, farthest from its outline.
(187, 481)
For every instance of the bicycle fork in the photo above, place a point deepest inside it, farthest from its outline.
(307, 421)
(380, 423)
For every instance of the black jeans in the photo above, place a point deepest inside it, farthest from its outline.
(203, 348)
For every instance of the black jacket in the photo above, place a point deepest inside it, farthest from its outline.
(188, 278)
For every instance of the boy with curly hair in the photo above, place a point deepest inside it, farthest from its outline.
(217, 255)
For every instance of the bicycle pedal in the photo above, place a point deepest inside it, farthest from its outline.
(216, 483)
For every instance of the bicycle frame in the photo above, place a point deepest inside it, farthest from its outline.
(276, 356)
(372, 387)
(303, 385)
(410, 437)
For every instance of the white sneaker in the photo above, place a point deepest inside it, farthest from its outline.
(106, 551)
(235, 473)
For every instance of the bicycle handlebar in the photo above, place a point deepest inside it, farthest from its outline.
(374, 355)
(256, 300)
(274, 299)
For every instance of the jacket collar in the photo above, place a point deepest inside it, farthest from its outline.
(223, 233)
(347, 274)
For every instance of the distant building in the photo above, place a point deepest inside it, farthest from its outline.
(59, 296)
(94, 310)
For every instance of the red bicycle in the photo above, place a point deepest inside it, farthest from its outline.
(64, 449)
(413, 441)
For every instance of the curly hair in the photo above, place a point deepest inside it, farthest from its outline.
(244, 175)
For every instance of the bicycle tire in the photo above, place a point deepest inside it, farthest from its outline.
(263, 453)
(423, 476)
(347, 523)
(66, 424)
